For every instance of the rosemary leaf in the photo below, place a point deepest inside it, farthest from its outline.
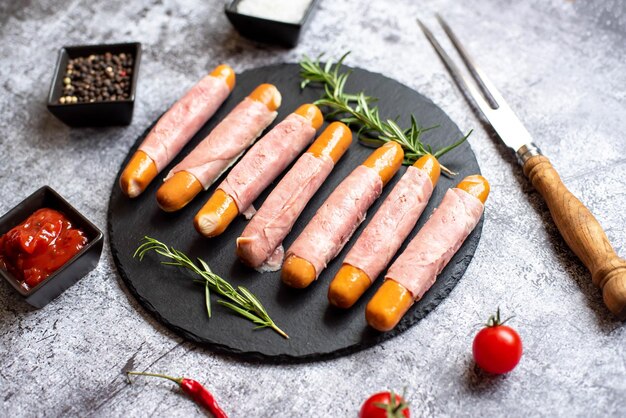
(240, 300)
(207, 299)
(256, 304)
(204, 265)
(452, 146)
(242, 312)
(358, 111)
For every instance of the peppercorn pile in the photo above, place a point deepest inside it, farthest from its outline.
(97, 78)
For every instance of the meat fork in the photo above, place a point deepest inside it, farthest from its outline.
(577, 225)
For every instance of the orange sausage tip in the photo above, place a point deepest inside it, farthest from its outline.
(389, 304)
(226, 73)
(297, 272)
(267, 94)
(477, 186)
(177, 191)
(311, 113)
(138, 174)
(131, 187)
(206, 224)
(216, 214)
(393, 145)
(386, 160)
(333, 142)
(348, 286)
(429, 164)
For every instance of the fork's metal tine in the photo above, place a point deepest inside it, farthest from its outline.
(502, 118)
(491, 94)
(464, 82)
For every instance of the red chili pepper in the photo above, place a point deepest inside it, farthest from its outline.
(195, 390)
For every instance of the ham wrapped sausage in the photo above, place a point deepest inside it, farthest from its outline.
(257, 169)
(220, 149)
(385, 233)
(175, 128)
(339, 216)
(416, 269)
(260, 244)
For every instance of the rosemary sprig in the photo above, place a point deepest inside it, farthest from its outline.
(357, 110)
(240, 300)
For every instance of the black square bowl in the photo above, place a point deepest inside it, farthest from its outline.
(77, 267)
(266, 30)
(100, 113)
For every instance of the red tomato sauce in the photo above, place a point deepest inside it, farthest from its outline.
(39, 246)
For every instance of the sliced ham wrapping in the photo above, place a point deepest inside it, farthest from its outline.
(267, 159)
(181, 122)
(434, 245)
(391, 224)
(226, 142)
(337, 219)
(260, 244)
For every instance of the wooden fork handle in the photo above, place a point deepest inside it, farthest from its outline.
(582, 233)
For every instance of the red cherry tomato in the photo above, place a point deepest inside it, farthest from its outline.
(385, 405)
(497, 348)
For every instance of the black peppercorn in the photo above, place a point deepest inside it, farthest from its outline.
(98, 77)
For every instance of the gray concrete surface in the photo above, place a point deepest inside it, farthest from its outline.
(559, 63)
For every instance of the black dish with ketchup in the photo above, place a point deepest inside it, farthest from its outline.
(46, 246)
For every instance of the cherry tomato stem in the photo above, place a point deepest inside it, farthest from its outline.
(385, 405)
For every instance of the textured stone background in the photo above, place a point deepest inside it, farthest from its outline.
(559, 63)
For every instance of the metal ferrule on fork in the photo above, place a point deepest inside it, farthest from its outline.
(526, 152)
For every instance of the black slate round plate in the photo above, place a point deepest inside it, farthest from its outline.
(317, 330)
